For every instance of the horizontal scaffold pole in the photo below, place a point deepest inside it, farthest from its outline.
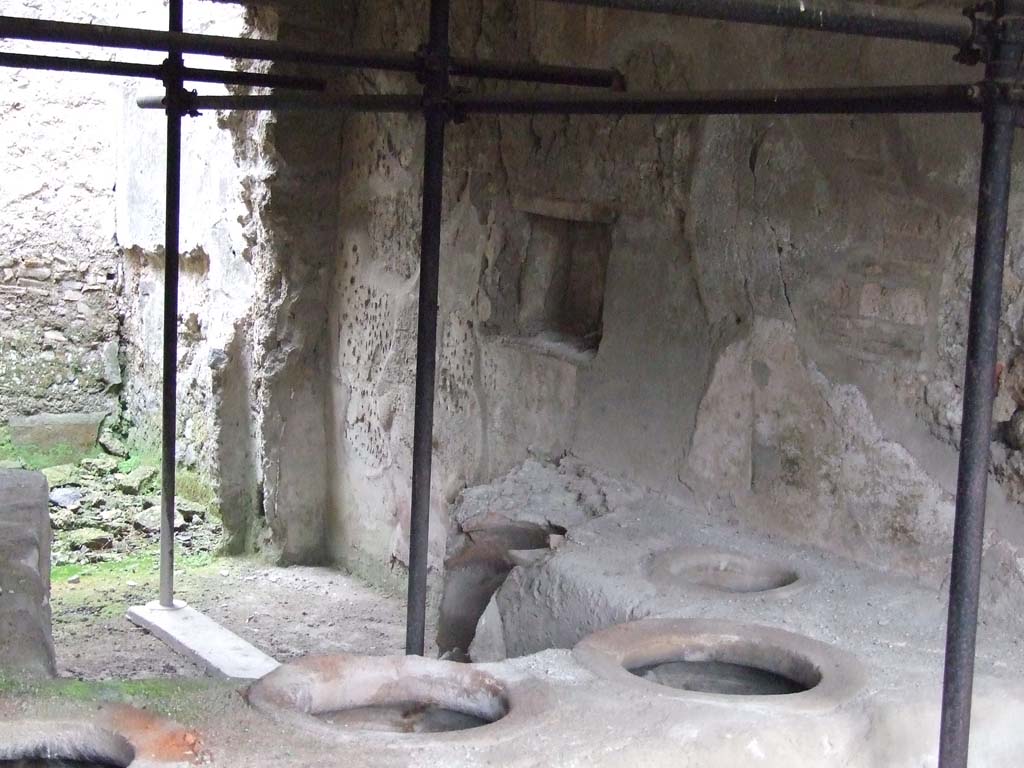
(308, 103)
(156, 71)
(44, 31)
(927, 99)
(16, 28)
(850, 18)
(804, 101)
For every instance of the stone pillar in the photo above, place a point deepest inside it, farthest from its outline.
(26, 640)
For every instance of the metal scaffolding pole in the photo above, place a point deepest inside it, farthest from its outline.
(1000, 118)
(435, 119)
(174, 91)
(403, 103)
(808, 101)
(1000, 39)
(841, 16)
(16, 28)
(46, 31)
(923, 99)
(156, 71)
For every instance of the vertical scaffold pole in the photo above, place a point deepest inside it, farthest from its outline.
(999, 117)
(436, 73)
(173, 91)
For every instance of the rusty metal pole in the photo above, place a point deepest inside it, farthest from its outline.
(436, 74)
(943, 27)
(172, 224)
(1000, 117)
(15, 28)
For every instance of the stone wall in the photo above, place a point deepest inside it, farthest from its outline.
(768, 310)
(803, 283)
(216, 280)
(780, 306)
(59, 271)
(82, 251)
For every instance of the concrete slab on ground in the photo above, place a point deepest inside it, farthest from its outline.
(199, 638)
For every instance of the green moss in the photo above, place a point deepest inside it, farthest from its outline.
(111, 570)
(6, 446)
(103, 587)
(192, 486)
(179, 696)
(188, 484)
(141, 565)
(127, 466)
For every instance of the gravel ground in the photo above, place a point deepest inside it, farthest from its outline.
(105, 517)
(285, 612)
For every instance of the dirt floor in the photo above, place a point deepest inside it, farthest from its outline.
(105, 515)
(285, 612)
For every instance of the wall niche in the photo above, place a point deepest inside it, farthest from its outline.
(562, 279)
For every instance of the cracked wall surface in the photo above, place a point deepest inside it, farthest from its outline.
(59, 272)
(83, 254)
(779, 321)
(783, 314)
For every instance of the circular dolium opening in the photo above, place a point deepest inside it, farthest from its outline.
(393, 694)
(732, 667)
(410, 717)
(719, 677)
(723, 572)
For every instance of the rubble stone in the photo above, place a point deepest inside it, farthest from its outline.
(67, 498)
(135, 481)
(90, 538)
(61, 475)
(148, 520)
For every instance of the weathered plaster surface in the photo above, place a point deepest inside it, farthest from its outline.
(59, 272)
(216, 282)
(783, 312)
(82, 245)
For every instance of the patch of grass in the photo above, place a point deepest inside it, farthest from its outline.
(127, 465)
(191, 485)
(140, 565)
(162, 694)
(149, 457)
(41, 458)
(112, 571)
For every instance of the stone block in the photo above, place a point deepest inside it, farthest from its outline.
(50, 430)
(135, 481)
(148, 520)
(92, 539)
(26, 640)
(61, 475)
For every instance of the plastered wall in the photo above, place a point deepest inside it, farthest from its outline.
(784, 307)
